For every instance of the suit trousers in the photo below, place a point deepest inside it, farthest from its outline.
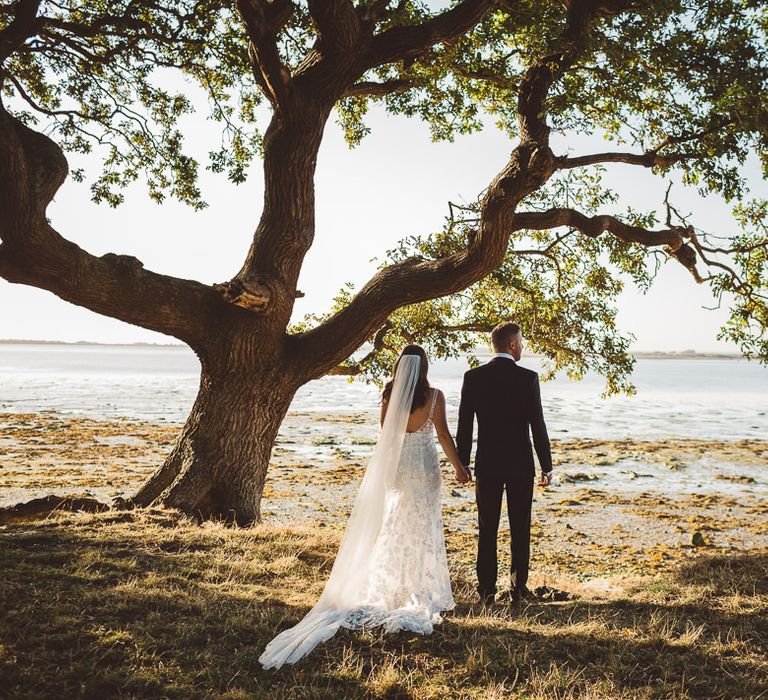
(489, 490)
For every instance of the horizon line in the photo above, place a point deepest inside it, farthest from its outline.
(688, 352)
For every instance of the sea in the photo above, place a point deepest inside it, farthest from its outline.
(706, 398)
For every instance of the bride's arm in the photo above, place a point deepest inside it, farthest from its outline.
(446, 440)
(383, 412)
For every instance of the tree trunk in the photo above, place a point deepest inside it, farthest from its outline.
(219, 464)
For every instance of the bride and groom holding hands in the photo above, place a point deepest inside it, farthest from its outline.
(391, 569)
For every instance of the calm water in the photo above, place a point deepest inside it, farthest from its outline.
(726, 399)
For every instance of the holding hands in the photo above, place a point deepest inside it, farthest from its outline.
(463, 475)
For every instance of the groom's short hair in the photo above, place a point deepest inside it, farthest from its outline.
(502, 335)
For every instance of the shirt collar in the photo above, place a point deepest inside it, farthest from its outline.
(504, 354)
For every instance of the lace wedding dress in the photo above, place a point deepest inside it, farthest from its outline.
(391, 569)
(409, 584)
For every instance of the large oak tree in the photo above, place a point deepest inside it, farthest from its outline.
(676, 86)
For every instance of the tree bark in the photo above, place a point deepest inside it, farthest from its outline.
(219, 464)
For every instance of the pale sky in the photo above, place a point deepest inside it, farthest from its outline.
(395, 184)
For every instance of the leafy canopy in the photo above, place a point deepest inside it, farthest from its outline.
(685, 80)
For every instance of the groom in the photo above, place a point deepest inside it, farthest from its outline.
(506, 400)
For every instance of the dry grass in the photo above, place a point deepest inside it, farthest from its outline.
(143, 604)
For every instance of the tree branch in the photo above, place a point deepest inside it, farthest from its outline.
(264, 20)
(117, 286)
(352, 370)
(337, 25)
(531, 164)
(687, 138)
(32, 168)
(672, 239)
(563, 52)
(649, 159)
(23, 26)
(407, 282)
(402, 42)
(594, 226)
(741, 286)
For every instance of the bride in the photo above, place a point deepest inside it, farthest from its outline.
(391, 569)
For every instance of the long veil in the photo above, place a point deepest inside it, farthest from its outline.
(345, 589)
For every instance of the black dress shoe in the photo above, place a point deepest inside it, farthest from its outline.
(487, 598)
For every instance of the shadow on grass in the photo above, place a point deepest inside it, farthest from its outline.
(745, 575)
(140, 606)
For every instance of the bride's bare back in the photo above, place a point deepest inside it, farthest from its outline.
(418, 418)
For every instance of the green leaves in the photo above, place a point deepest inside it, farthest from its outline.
(686, 79)
(94, 75)
(690, 75)
(745, 280)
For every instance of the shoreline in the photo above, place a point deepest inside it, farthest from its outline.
(88, 343)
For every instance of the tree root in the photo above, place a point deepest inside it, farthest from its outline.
(40, 508)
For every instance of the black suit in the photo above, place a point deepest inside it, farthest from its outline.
(506, 400)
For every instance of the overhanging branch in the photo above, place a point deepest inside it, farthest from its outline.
(649, 159)
(672, 240)
(594, 226)
(402, 42)
(32, 168)
(407, 282)
(117, 286)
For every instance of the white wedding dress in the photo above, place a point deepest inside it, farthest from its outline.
(391, 569)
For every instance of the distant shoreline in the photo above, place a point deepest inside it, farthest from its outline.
(646, 355)
(12, 341)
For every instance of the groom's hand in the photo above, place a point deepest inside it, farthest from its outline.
(546, 479)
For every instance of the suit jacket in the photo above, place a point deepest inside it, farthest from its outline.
(506, 400)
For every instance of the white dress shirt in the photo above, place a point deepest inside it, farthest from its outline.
(504, 354)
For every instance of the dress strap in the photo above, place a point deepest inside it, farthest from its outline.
(434, 401)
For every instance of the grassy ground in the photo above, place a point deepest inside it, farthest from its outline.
(143, 604)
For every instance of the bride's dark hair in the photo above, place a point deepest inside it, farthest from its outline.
(421, 392)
